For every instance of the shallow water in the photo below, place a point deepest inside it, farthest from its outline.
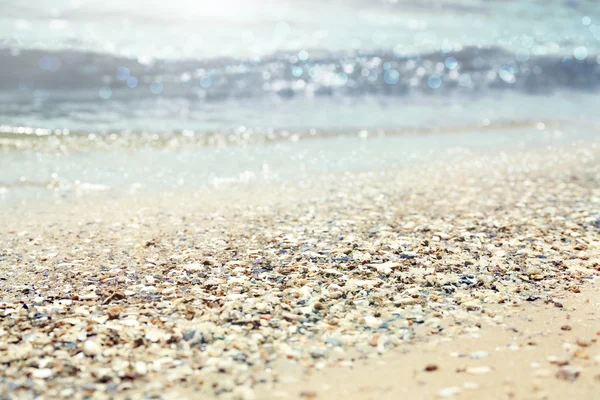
(184, 164)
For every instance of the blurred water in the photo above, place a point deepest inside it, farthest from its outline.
(266, 71)
(200, 29)
(205, 65)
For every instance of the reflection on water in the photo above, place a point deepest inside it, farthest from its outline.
(206, 65)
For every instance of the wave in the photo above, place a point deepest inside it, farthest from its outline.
(87, 76)
(51, 140)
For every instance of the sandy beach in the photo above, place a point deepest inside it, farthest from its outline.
(468, 279)
(312, 200)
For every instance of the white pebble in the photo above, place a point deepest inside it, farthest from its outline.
(371, 321)
(42, 373)
(449, 391)
(91, 348)
(243, 393)
(141, 368)
(169, 290)
(478, 370)
(476, 355)
(154, 335)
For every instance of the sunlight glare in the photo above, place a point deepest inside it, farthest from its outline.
(221, 9)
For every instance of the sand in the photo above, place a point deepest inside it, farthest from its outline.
(481, 270)
(523, 356)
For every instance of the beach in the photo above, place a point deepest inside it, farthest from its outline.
(276, 199)
(471, 277)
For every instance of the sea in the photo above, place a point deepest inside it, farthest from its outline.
(116, 97)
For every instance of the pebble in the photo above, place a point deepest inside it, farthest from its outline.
(91, 348)
(477, 355)
(154, 335)
(449, 391)
(371, 321)
(114, 312)
(141, 368)
(168, 290)
(473, 305)
(431, 367)
(42, 373)
(194, 267)
(184, 297)
(560, 361)
(471, 385)
(568, 373)
(478, 370)
(384, 268)
(82, 311)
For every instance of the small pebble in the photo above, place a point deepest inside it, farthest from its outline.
(141, 368)
(471, 385)
(478, 370)
(431, 367)
(476, 355)
(42, 373)
(114, 312)
(568, 373)
(449, 391)
(91, 348)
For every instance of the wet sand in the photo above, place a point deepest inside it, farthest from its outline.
(481, 270)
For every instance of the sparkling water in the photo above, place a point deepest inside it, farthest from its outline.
(181, 77)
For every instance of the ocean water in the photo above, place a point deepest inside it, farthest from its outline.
(114, 95)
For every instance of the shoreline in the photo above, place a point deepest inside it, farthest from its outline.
(162, 295)
(257, 192)
(62, 174)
